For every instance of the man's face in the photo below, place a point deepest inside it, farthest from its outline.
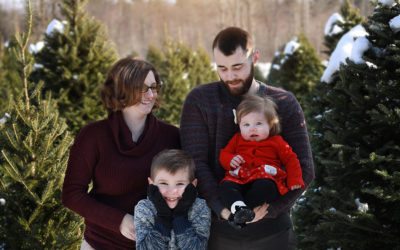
(236, 71)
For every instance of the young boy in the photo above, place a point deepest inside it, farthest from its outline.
(172, 217)
(253, 161)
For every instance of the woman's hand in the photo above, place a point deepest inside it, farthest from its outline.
(127, 227)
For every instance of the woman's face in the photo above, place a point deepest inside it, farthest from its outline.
(149, 96)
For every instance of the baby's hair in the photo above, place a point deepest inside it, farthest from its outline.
(172, 160)
(265, 105)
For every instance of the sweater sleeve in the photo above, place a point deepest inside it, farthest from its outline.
(195, 141)
(79, 174)
(196, 235)
(228, 153)
(147, 237)
(291, 163)
(294, 131)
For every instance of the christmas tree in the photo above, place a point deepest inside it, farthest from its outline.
(10, 80)
(356, 205)
(34, 143)
(339, 24)
(73, 63)
(307, 213)
(180, 69)
(2, 82)
(297, 68)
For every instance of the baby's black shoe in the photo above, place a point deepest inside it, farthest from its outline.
(242, 215)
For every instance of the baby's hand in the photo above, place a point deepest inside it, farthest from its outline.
(236, 161)
(295, 187)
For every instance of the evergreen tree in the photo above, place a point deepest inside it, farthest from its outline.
(180, 69)
(316, 103)
(350, 17)
(73, 64)
(155, 56)
(357, 205)
(297, 68)
(307, 214)
(34, 145)
(10, 80)
(2, 82)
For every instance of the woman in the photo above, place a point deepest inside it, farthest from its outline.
(115, 155)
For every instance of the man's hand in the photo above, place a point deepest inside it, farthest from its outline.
(260, 211)
(236, 161)
(127, 227)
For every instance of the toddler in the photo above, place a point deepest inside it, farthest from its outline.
(260, 165)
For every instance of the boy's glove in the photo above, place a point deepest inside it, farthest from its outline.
(164, 213)
(180, 222)
(186, 202)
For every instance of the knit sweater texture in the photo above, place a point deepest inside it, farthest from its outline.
(190, 233)
(105, 155)
(207, 124)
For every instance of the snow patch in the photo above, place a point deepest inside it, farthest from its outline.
(276, 67)
(388, 3)
(55, 26)
(4, 118)
(36, 48)
(38, 66)
(362, 207)
(394, 24)
(291, 47)
(361, 45)
(331, 27)
(342, 51)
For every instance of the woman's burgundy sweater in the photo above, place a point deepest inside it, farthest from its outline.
(104, 153)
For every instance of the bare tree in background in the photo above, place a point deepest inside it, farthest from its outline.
(136, 24)
(306, 17)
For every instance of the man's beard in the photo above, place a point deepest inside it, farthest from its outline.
(246, 84)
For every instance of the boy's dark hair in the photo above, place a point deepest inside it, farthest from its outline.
(172, 160)
(264, 105)
(229, 39)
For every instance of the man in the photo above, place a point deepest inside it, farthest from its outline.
(207, 124)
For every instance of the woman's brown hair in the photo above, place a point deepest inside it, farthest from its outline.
(123, 85)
